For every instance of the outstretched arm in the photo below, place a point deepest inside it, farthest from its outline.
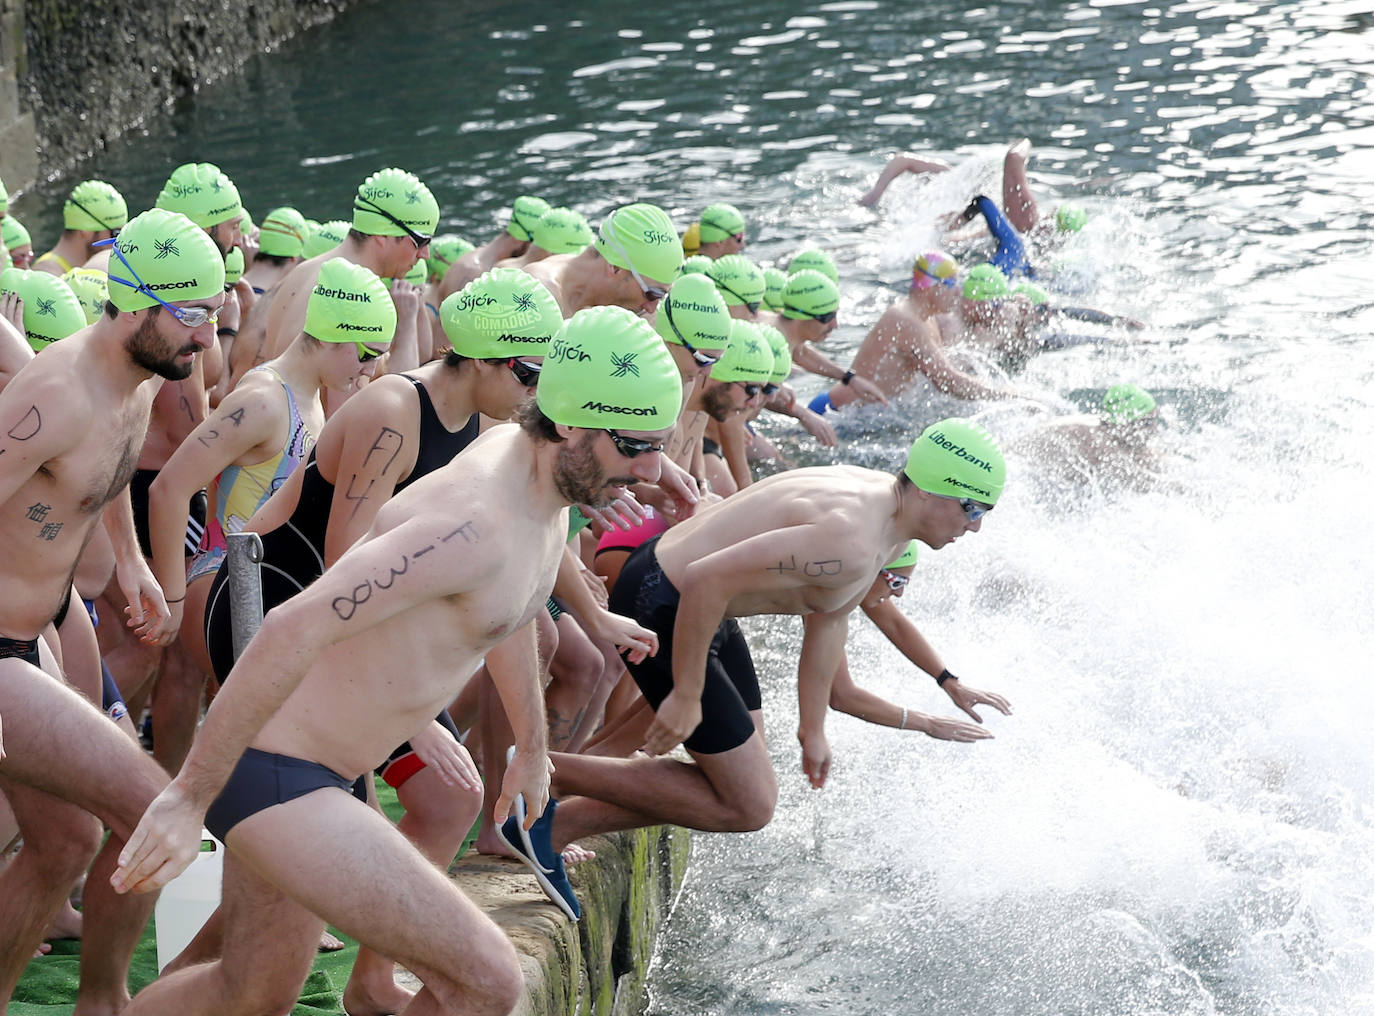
(895, 167)
(848, 697)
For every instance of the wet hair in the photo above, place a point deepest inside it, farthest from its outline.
(112, 312)
(534, 423)
(452, 359)
(280, 260)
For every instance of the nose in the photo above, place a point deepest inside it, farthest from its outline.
(975, 526)
(647, 466)
(204, 336)
(368, 369)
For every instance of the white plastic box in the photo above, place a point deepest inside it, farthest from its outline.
(188, 900)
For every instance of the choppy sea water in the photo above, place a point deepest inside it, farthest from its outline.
(1177, 819)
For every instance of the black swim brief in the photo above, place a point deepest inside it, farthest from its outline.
(23, 649)
(731, 690)
(196, 512)
(263, 779)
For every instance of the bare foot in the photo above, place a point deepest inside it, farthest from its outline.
(575, 853)
(1021, 148)
(490, 843)
(330, 942)
(42, 950)
(67, 923)
(361, 1001)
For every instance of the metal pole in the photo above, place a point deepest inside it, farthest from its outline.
(245, 587)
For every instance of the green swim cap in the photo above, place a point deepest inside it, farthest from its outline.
(51, 309)
(748, 358)
(246, 225)
(739, 280)
(695, 311)
(816, 259)
(201, 192)
(443, 251)
(562, 231)
(643, 237)
(1070, 217)
(233, 267)
(1031, 292)
(503, 312)
(720, 222)
(957, 458)
(782, 355)
(282, 233)
(986, 282)
(905, 559)
(326, 236)
(390, 201)
(4, 198)
(608, 369)
(14, 235)
(774, 279)
(172, 255)
(94, 205)
(524, 213)
(697, 264)
(809, 295)
(418, 274)
(1126, 404)
(91, 289)
(349, 304)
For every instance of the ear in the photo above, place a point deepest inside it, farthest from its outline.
(564, 431)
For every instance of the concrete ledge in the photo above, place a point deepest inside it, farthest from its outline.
(597, 967)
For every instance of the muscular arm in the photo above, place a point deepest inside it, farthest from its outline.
(933, 361)
(372, 455)
(895, 167)
(903, 634)
(822, 652)
(514, 669)
(734, 448)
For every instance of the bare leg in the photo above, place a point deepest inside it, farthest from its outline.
(576, 674)
(624, 735)
(95, 769)
(1017, 199)
(360, 874)
(734, 791)
(180, 684)
(436, 820)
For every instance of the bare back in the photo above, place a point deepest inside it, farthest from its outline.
(801, 542)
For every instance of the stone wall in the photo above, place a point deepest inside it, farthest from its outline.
(87, 72)
(597, 967)
(18, 160)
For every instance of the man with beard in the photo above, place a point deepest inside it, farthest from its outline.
(454, 567)
(71, 423)
(735, 386)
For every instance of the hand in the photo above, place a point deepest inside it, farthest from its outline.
(867, 389)
(817, 426)
(966, 698)
(625, 634)
(1134, 324)
(12, 310)
(674, 721)
(250, 244)
(244, 291)
(437, 749)
(148, 612)
(527, 774)
(596, 585)
(165, 843)
(622, 512)
(816, 758)
(681, 489)
(406, 297)
(943, 729)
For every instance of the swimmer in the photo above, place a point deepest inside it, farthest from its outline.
(1112, 446)
(390, 232)
(280, 247)
(93, 211)
(807, 542)
(17, 241)
(244, 451)
(895, 167)
(720, 231)
(906, 341)
(810, 312)
(734, 387)
(740, 281)
(815, 259)
(510, 243)
(557, 231)
(472, 550)
(73, 420)
(635, 258)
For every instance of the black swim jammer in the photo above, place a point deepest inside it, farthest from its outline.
(731, 690)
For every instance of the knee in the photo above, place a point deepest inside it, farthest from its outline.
(752, 808)
(257, 998)
(494, 985)
(62, 851)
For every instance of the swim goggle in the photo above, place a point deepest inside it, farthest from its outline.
(973, 509)
(753, 305)
(525, 373)
(701, 359)
(633, 446)
(945, 280)
(896, 583)
(191, 317)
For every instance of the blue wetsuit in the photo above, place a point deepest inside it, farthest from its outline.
(1011, 255)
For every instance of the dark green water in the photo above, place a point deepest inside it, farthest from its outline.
(1178, 817)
